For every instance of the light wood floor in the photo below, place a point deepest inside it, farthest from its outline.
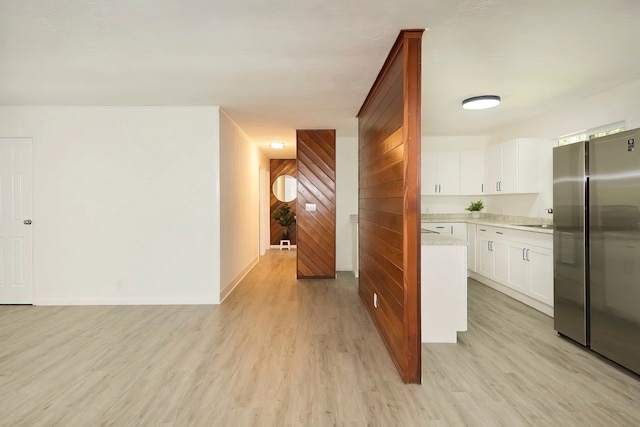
(285, 353)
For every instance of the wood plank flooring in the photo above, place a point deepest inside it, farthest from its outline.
(279, 352)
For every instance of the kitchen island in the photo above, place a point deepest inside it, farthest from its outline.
(443, 287)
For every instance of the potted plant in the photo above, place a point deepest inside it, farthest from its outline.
(475, 208)
(285, 218)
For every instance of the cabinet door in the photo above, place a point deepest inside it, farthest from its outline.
(509, 179)
(472, 172)
(471, 248)
(485, 256)
(493, 169)
(449, 173)
(541, 279)
(500, 261)
(529, 157)
(459, 230)
(519, 270)
(429, 173)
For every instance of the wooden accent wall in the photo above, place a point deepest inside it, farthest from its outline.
(316, 184)
(281, 167)
(389, 203)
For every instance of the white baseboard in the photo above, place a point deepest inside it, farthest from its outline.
(284, 248)
(224, 293)
(525, 299)
(205, 300)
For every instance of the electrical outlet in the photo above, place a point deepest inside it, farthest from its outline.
(310, 207)
(375, 300)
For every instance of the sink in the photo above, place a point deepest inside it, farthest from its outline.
(549, 226)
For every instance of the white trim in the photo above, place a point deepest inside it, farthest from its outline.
(235, 282)
(525, 299)
(235, 125)
(205, 300)
(278, 246)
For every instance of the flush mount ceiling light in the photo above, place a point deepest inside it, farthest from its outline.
(277, 145)
(481, 102)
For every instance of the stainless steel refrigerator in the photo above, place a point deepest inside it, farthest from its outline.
(571, 308)
(597, 245)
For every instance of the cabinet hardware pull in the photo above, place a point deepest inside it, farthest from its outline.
(499, 232)
(528, 250)
(482, 229)
(482, 188)
(524, 258)
(435, 188)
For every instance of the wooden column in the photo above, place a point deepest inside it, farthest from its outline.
(389, 203)
(316, 186)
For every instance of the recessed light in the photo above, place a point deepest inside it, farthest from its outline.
(481, 102)
(277, 145)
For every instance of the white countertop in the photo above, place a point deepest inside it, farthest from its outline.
(515, 223)
(441, 240)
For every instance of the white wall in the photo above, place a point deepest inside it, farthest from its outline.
(124, 203)
(240, 204)
(346, 198)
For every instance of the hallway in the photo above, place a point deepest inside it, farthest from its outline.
(280, 352)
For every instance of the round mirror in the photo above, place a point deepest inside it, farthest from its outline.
(285, 188)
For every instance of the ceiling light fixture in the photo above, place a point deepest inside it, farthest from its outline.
(277, 145)
(481, 102)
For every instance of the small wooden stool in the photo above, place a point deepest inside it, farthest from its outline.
(285, 244)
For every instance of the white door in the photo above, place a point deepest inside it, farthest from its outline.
(500, 251)
(429, 174)
(16, 285)
(493, 169)
(519, 268)
(449, 173)
(472, 172)
(541, 260)
(509, 179)
(485, 256)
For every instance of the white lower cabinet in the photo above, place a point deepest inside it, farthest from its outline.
(492, 254)
(541, 274)
(520, 260)
(471, 248)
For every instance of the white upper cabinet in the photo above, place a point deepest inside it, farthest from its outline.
(512, 167)
(440, 173)
(472, 172)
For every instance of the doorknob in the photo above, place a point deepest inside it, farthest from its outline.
(27, 222)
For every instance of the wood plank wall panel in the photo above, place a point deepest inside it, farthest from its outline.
(316, 184)
(281, 167)
(389, 203)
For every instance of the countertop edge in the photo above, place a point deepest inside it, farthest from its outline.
(492, 224)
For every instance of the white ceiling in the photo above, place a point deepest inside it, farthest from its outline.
(280, 65)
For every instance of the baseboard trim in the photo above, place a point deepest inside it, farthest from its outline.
(235, 282)
(525, 299)
(125, 301)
